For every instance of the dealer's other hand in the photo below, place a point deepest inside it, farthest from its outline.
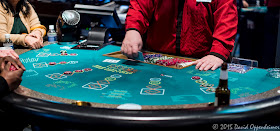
(208, 62)
(131, 44)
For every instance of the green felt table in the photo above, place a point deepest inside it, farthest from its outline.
(110, 82)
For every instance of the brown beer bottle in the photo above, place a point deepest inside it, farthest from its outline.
(222, 93)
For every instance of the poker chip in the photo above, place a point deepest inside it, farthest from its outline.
(87, 69)
(12, 68)
(166, 60)
(64, 54)
(52, 63)
(154, 82)
(169, 62)
(67, 72)
(78, 71)
(116, 76)
(206, 85)
(155, 79)
(62, 62)
(201, 81)
(110, 78)
(196, 78)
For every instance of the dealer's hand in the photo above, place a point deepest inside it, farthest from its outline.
(208, 62)
(131, 44)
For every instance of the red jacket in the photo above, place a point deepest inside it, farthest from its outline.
(207, 28)
(273, 3)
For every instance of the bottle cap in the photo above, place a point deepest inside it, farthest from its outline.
(7, 35)
(224, 66)
(51, 27)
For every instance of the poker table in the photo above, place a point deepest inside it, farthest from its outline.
(85, 89)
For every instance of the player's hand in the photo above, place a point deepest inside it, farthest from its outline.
(131, 44)
(245, 4)
(208, 62)
(9, 52)
(15, 62)
(33, 42)
(13, 78)
(37, 34)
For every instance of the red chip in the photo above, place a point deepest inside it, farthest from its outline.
(195, 78)
(64, 54)
(170, 62)
(52, 63)
(68, 72)
(182, 61)
(62, 62)
(13, 68)
(87, 69)
(78, 71)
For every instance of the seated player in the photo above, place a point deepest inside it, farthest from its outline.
(10, 76)
(204, 30)
(19, 19)
(10, 80)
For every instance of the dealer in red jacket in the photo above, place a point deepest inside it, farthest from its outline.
(203, 29)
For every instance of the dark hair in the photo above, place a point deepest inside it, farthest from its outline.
(22, 6)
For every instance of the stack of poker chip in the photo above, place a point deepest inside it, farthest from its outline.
(172, 62)
(155, 59)
(165, 60)
(151, 58)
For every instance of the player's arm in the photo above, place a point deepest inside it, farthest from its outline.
(16, 38)
(37, 30)
(225, 29)
(137, 21)
(35, 24)
(4, 88)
